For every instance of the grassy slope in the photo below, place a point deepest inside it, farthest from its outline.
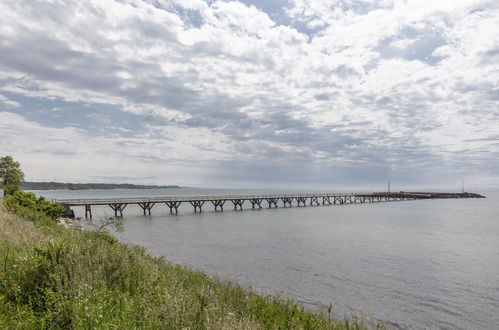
(51, 277)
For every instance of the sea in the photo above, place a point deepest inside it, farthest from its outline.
(423, 264)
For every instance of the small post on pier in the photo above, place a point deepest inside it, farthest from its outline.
(388, 186)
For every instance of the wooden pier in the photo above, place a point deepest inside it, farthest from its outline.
(118, 205)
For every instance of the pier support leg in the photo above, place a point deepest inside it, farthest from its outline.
(218, 204)
(238, 203)
(301, 201)
(256, 202)
(88, 211)
(326, 200)
(314, 201)
(146, 206)
(118, 207)
(272, 201)
(197, 205)
(287, 201)
(173, 205)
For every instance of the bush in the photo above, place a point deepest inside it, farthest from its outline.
(27, 205)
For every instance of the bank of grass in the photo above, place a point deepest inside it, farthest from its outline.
(51, 277)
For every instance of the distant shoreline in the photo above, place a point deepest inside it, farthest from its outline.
(89, 186)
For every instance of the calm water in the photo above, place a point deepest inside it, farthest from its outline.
(418, 264)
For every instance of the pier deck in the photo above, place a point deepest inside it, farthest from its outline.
(272, 200)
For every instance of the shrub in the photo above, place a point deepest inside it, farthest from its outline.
(27, 205)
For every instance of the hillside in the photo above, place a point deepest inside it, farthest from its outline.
(85, 186)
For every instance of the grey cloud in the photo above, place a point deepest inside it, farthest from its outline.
(322, 97)
(490, 57)
(89, 72)
(344, 71)
(489, 139)
(423, 43)
(103, 120)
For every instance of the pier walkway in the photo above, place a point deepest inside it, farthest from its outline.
(256, 201)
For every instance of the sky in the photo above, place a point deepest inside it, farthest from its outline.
(284, 93)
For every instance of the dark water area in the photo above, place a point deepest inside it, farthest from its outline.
(418, 264)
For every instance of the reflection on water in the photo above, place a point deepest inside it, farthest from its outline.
(427, 263)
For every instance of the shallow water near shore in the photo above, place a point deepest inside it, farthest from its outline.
(418, 264)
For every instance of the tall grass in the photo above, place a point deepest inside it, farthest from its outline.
(53, 278)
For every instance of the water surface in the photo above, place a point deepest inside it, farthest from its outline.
(418, 264)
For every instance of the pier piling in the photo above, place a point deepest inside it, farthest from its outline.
(218, 204)
(173, 205)
(118, 207)
(88, 211)
(197, 205)
(272, 201)
(256, 202)
(146, 206)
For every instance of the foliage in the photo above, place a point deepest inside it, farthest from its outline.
(84, 280)
(29, 206)
(11, 175)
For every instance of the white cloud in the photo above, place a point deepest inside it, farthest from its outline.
(381, 83)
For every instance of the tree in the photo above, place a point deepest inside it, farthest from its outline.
(11, 175)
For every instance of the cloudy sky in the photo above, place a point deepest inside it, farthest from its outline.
(282, 93)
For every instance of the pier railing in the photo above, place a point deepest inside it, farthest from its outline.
(207, 198)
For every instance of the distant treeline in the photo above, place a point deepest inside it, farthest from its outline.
(83, 186)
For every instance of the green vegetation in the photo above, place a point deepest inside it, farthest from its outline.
(33, 208)
(52, 278)
(11, 175)
(83, 186)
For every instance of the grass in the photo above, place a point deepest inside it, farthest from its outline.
(52, 278)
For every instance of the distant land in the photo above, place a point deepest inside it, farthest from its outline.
(84, 186)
